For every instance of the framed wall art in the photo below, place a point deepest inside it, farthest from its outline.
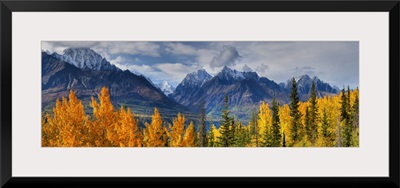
(277, 93)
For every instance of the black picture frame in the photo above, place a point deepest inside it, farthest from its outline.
(7, 7)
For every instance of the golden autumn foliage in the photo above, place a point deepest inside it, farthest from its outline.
(177, 131)
(69, 126)
(264, 120)
(154, 131)
(104, 119)
(125, 132)
(189, 137)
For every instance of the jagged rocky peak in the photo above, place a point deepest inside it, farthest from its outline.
(304, 84)
(235, 75)
(230, 74)
(196, 78)
(85, 58)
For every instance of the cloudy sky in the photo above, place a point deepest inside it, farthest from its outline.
(334, 62)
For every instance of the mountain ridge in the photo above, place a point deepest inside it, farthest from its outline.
(86, 71)
(85, 58)
(246, 90)
(126, 88)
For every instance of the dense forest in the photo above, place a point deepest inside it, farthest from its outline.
(330, 121)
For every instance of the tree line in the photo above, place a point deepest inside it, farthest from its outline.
(331, 121)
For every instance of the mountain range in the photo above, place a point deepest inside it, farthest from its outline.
(81, 74)
(85, 71)
(246, 90)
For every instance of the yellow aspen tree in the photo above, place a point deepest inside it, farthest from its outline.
(154, 131)
(126, 131)
(264, 122)
(64, 138)
(77, 119)
(48, 132)
(217, 134)
(189, 137)
(306, 140)
(284, 116)
(104, 119)
(67, 126)
(176, 131)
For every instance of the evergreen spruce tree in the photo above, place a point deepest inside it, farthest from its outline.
(348, 98)
(338, 133)
(233, 131)
(356, 120)
(254, 128)
(225, 139)
(347, 134)
(349, 107)
(295, 114)
(343, 108)
(313, 114)
(307, 124)
(202, 127)
(325, 131)
(356, 111)
(345, 118)
(276, 127)
(241, 136)
(211, 141)
(266, 138)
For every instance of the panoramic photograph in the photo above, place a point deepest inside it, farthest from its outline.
(200, 94)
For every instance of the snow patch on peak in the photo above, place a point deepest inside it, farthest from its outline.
(166, 87)
(235, 75)
(85, 58)
(196, 78)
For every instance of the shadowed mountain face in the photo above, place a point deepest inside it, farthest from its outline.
(126, 88)
(304, 87)
(246, 90)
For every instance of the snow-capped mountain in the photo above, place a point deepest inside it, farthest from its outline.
(228, 74)
(59, 77)
(196, 78)
(304, 85)
(232, 75)
(245, 91)
(190, 84)
(85, 58)
(166, 87)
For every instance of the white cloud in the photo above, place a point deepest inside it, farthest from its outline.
(117, 60)
(133, 48)
(262, 69)
(175, 71)
(203, 56)
(246, 68)
(180, 49)
(106, 49)
(59, 46)
(142, 68)
(227, 57)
